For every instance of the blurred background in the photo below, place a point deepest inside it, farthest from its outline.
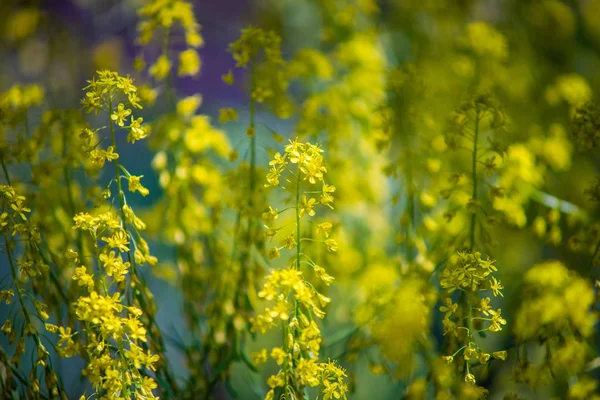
(540, 60)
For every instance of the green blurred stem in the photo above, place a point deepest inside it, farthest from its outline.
(474, 178)
(473, 221)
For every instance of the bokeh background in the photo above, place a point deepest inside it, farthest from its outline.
(551, 66)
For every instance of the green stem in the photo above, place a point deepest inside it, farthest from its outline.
(6, 176)
(70, 198)
(120, 193)
(474, 178)
(169, 78)
(298, 239)
(473, 222)
(252, 177)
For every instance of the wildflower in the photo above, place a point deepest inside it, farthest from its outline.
(161, 68)
(484, 306)
(497, 321)
(450, 307)
(135, 185)
(120, 114)
(136, 130)
(189, 63)
(259, 357)
(273, 253)
(470, 378)
(270, 216)
(306, 206)
(7, 295)
(83, 278)
(118, 241)
(324, 228)
(496, 286)
(331, 245)
(188, 106)
(299, 351)
(278, 354)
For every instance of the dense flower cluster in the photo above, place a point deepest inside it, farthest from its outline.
(294, 302)
(112, 336)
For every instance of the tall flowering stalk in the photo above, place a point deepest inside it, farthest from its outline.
(14, 227)
(466, 272)
(116, 311)
(229, 302)
(31, 279)
(293, 300)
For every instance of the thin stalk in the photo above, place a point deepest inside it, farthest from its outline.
(473, 222)
(6, 176)
(474, 178)
(169, 80)
(120, 194)
(298, 239)
(252, 177)
(13, 271)
(70, 198)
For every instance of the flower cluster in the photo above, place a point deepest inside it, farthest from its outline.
(294, 301)
(165, 16)
(259, 51)
(558, 315)
(14, 227)
(469, 274)
(113, 336)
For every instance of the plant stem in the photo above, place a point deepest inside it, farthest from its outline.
(474, 178)
(473, 222)
(298, 239)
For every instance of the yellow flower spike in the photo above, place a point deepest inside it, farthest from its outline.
(296, 301)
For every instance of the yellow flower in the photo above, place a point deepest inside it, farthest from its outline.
(118, 241)
(189, 63)
(496, 286)
(83, 278)
(120, 114)
(278, 355)
(259, 357)
(161, 68)
(324, 227)
(470, 378)
(331, 245)
(273, 253)
(306, 206)
(188, 106)
(136, 185)
(7, 295)
(136, 130)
